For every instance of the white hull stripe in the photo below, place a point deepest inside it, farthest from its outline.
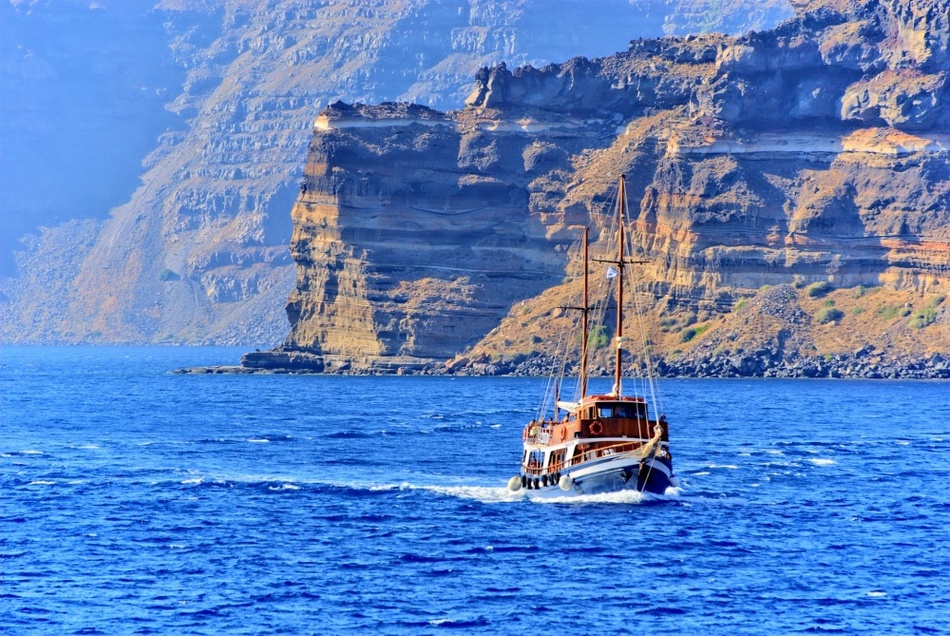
(618, 463)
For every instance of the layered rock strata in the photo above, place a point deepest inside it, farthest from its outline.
(413, 234)
(813, 152)
(181, 126)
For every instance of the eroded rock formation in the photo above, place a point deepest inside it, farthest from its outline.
(209, 106)
(815, 151)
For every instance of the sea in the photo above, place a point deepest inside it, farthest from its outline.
(138, 501)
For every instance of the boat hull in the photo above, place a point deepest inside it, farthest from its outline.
(653, 474)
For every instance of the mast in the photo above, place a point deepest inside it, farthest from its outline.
(585, 330)
(621, 205)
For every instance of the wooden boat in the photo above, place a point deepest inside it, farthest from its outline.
(603, 442)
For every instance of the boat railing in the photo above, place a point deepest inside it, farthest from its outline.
(587, 455)
(539, 432)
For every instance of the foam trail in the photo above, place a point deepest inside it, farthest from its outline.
(620, 497)
(484, 494)
(501, 494)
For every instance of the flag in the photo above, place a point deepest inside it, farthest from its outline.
(612, 273)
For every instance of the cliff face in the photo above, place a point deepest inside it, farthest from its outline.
(414, 232)
(189, 231)
(813, 152)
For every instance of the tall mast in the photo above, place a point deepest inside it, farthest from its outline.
(585, 330)
(621, 206)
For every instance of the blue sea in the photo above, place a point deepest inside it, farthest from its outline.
(136, 501)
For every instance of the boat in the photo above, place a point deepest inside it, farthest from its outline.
(599, 442)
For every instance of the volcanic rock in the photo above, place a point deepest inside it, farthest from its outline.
(429, 235)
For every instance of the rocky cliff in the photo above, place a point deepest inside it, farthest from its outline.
(174, 133)
(812, 159)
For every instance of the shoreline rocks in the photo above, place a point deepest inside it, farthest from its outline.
(862, 364)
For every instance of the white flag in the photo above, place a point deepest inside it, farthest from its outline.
(612, 273)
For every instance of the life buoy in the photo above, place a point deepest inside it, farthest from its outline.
(563, 433)
(596, 428)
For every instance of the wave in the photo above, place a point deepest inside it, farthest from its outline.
(350, 435)
(501, 494)
(621, 497)
(484, 494)
(460, 623)
(270, 485)
(411, 429)
(286, 486)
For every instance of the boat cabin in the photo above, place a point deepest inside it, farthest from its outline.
(610, 416)
(601, 407)
(599, 425)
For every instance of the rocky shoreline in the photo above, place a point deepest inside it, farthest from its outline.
(866, 363)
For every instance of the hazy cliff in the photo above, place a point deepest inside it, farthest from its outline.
(812, 153)
(175, 133)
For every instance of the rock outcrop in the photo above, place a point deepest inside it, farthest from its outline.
(815, 152)
(178, 129)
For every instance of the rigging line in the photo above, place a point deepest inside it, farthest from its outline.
(566, 342)
(642, 381)
(602, 284)
(649, 367)
(550, 395)
(579, 384)
(559, 363)
(646, 359)
(647, 355)
(609, 206)
(567, 346)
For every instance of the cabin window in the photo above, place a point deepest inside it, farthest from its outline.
(631, 410)
(628, 410)
(536, 459)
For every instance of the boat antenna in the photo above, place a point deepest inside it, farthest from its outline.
(621, 204)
